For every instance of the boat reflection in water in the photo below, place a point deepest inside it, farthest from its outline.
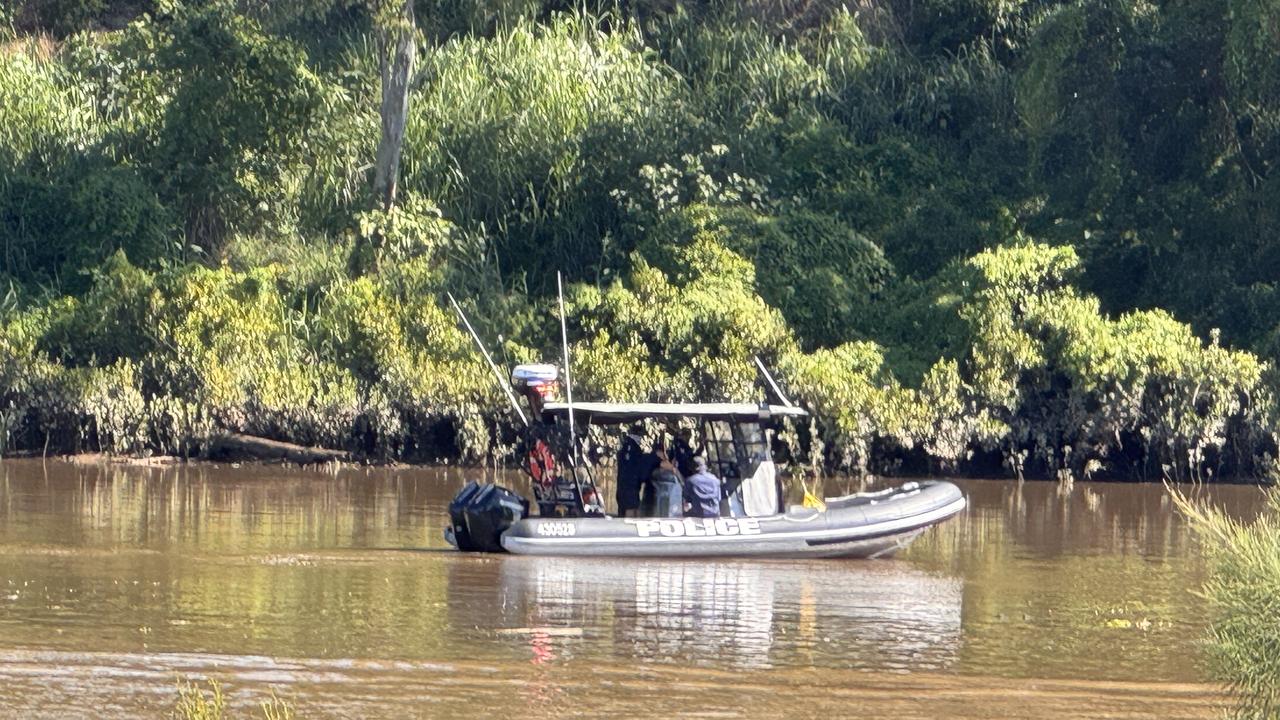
(882, 615)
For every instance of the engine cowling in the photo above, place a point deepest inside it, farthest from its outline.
(479, 514)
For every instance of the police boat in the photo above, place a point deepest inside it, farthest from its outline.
(571, 518)
(736, 438)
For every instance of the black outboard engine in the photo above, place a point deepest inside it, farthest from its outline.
(479, 514)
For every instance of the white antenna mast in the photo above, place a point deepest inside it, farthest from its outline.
(568, 376)
(502, 382)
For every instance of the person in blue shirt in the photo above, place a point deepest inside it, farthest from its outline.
(701, 491)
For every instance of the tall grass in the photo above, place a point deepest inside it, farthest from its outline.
(197, 703)
(40, 111)
(525, 135)
(1243, 593)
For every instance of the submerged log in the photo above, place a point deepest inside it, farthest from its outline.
(234, 446)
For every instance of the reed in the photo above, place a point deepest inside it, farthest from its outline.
(523, 136)
(1242, 592)
(196, 702)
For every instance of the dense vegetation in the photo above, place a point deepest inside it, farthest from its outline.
(1030, 237)
(1241, 590)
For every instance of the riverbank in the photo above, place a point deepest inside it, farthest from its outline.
(921, 269)
(1039, 385)
(228, 447)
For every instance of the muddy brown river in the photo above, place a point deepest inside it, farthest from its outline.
(337, 592)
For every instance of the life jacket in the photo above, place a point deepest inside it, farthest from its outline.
(542, 465)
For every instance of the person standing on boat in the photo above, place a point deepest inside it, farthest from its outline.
(635, 465)
(701, 491)
(664, 498)
(682, 452)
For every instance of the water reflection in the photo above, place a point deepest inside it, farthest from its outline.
(737, 614)
(350, 568)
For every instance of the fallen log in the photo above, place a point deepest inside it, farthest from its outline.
(234, 446)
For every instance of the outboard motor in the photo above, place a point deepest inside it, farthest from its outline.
(479, 514)
(457, 534)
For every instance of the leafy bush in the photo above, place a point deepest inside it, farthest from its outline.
(166, 362)
(239, 104)
(57, 227)
(1077, 391)
(688, 336)
(416, 368)
(822, 276)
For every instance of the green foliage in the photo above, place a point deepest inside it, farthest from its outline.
(1241, 589)
(679, 338)
(823, 276)
(848, 195)
(165, 362)
(418, 368)
(40, 115)
(57, 227)
(1073, 388)
(218, 65)
(413, 229)
(523, 136)
(59, 17)
(1253, 73)
(445, 19)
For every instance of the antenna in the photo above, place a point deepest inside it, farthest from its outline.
(502, 382)
(568, 376)
(568, 391)
(772, 384)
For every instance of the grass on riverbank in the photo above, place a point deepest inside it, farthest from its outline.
(1242, 593)
(198, 703)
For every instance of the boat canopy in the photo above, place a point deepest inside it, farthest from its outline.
(610, 413)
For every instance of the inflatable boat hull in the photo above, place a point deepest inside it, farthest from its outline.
(866, 526)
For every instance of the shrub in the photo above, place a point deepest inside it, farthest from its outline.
(1243, 582)
(57, 226)
(690, 336)
(1073, 388)
(417, 369)
(234, 126)
(821, 275)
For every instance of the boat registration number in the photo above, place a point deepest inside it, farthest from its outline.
(557, 529)
(696, 527)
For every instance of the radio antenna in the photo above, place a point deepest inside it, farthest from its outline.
(568, 375)
(497, 374)
(777, 390)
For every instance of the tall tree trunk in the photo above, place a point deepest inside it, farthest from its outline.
(397, 49)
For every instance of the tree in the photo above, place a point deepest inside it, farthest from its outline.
(235, 124)
(397, 50)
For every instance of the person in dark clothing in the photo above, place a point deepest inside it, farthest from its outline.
(701, 491)
(682, 452)
(635, 466)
